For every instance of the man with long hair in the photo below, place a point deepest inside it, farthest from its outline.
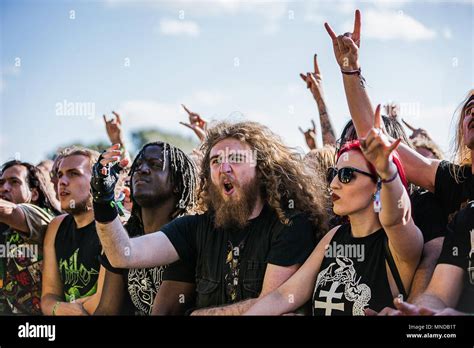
(162, 187)
(262, 214)
(26, 208)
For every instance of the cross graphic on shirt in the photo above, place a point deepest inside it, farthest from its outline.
(329, 305)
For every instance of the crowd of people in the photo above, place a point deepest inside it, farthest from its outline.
(373, 222)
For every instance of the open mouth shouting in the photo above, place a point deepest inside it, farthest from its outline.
(228, 187)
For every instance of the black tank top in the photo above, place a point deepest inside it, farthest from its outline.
(77, 251)
(353, 275)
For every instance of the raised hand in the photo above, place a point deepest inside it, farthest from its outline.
(377, 148)
(114, 128)
(105, 174)
(196, 123)
(310, 136)
(346, 47)
(417, 132)
(314, 81)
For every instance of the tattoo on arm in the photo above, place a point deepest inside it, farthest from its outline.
(327, 130)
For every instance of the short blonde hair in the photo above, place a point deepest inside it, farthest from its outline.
(74, 150)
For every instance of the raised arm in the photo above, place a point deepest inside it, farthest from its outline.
(310, 136)
(123, 252)
(419, 170)
(13, 216)
(196, 123)
(395, 216)
(314, 81)
(114, 130)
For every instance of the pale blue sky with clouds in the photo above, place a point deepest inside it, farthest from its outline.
(223, 59)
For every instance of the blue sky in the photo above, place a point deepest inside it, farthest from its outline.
(224, 59)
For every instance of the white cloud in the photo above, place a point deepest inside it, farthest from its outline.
(270, 11)
(390, 25)
(179, 27)
(141, 113)
(148, 113)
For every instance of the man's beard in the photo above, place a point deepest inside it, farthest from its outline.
(234, 214)
(79, 208)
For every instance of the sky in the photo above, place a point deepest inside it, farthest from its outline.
(66, 63)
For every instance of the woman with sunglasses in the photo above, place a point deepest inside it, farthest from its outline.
(370, 260)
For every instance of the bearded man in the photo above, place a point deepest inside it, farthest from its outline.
(262, 215)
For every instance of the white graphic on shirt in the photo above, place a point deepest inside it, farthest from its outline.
(143, 284)
(341, 272)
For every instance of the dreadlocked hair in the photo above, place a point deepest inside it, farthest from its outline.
(183, 176)
(285, 182)
(35, 179)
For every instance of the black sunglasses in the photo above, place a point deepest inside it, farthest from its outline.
(345, 174)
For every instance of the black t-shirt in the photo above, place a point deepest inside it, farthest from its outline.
(428, 214)
(353, 275)
(452, 195)
(458, 250)
(142, 284)
(77, 251)
(267, 240)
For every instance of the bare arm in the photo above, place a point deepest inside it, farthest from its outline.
(444, 289)
(419, 170)
(424, 272)
(314, 81)
(405, 239)
(274, 277)
(173, 298)
(13, 216)
(52, 289)
(112, 295)
(297, 289)
(154, 249)
(441, 296)
(91, 302)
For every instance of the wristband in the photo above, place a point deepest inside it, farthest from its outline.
(352, 72)
(105, 212)
(55, 307)
(386, 181)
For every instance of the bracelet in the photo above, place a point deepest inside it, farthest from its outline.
(55, 307)
(386, 181)
(352, 72)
